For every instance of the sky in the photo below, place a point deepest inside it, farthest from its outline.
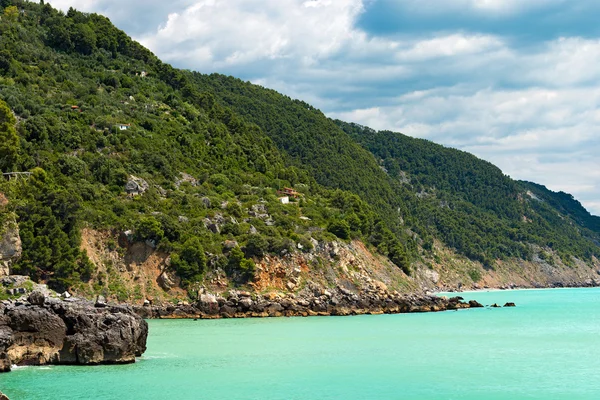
(515, 82)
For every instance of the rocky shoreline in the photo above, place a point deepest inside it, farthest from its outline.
(45, 330)
(332, 302)
(588, 283)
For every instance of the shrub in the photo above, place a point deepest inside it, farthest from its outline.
(340, 229)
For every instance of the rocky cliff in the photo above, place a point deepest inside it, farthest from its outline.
(10, 241)
(47, 330)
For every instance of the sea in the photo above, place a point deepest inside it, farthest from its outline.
(547, 347)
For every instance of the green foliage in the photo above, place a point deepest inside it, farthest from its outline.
(239, 266)
(148, 228)
(11, 13)
(340, 229)
(472, 206)
(475, 275)
(257, 246)
(190, 261)
(9, 141)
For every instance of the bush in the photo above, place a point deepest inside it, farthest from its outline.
(340, 229)
(257, 246)
(148, 228)
(190, 262)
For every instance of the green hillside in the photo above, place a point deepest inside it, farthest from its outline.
(193, 165)
(91, 117)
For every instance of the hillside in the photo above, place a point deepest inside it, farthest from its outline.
(148, 180)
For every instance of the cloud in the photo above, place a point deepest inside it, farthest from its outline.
(223, 34)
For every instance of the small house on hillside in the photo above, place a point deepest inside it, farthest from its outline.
(123, 127)
(289, 192)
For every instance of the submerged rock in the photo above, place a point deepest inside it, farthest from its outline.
(51, 331)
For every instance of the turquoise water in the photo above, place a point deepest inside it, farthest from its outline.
(548, 347)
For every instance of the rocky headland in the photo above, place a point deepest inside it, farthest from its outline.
(42, 329)
(332, 302)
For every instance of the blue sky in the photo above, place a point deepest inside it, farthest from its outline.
(515, 82)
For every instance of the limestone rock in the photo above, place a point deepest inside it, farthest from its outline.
(136, 186)
(60, 332)
(100, 301)
(10, 247)
(167, 281)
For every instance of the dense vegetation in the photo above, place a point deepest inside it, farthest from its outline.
(96, 112)
(472, 206)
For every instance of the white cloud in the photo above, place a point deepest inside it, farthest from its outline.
(237, 32)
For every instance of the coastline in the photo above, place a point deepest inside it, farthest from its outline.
(581, 285)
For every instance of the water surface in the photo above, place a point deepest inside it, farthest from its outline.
(548, 347)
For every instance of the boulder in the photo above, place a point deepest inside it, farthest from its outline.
(475, 304)
(245, 303)
(3, 396)
(167, 281)
(36, 298)
(100, 301)
(510, 304)
(208, 303)
(136, 186)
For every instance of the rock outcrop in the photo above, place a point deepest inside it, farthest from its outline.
(136, 186)
(10, 246)
(46, 330)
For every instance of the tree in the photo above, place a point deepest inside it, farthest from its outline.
(84, 39)
(257, 246)
(148, 228)
(190, 262)
(5, 61)
(397, 255)
(11, 13)
(9, 141)
(340, 229)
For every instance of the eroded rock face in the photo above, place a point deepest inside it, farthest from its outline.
(10, 247)
(54, 331)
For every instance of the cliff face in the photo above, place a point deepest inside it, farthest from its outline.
(143, 274)
(45, 330)
(10, 241)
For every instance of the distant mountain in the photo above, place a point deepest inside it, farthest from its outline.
(195, 167)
